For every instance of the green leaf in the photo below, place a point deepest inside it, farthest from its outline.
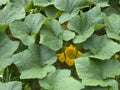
(94, 72)
(7, 48)
(101, 47)
(84, 24)
(68, 15)
(26, 31)
(51, 11)
(43, 3)
(15, 85)
(112, 22)
(10, 13)
(35, 62)
(101, 3)
(68, 35)
(70, 8)
(20, 3)
(47, 56)
(34, 21)
(61, 81)
(51, 35)
(89, 72)
(110, 68)
(21, 30)
(69, 5)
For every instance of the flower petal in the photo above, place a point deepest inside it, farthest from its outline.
(61, 57)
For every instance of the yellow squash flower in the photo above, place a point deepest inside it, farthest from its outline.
(69, 62)
(69, 55)
(61, 57)
(70, 51)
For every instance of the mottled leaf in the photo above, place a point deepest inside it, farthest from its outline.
(101, 47)
(61, 81)
(11, 86)
(7, 48)
(51, 35)
(35, 62)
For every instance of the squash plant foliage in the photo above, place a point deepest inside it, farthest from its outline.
(59, 44)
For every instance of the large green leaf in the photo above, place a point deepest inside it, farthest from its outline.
(34, 21)
(20, 3)
(10, 13)
(26, 31)
(7, 48)
(69, 5)
(89, 72)
(51, 35)
(60, 80)
(101, 3)
(43, 3)
(70, 8)
(35, 62)
(101, 47)
(94, 72)
(11, 86)
(84, 24)
(112, 22)
(110, 69)
(21, 30)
